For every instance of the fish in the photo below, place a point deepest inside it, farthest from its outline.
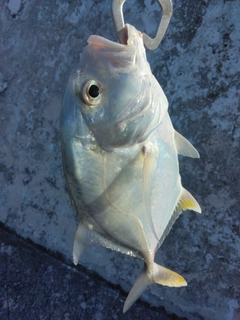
(120, 156)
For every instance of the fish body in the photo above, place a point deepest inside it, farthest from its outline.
(120, 156)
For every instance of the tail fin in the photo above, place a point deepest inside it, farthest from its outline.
(140, 285)
(159, 275)
(167, 277)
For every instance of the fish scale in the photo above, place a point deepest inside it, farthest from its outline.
(120, 156)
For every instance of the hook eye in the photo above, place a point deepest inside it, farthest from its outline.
(150, 43)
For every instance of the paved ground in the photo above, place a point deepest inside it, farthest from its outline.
(37, 284)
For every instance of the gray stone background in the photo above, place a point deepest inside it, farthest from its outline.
(198, 66)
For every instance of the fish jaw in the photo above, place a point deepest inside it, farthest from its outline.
(123, 57)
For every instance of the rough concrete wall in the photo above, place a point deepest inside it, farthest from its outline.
(198, 67)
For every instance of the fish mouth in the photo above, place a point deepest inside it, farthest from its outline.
(120, 55)
(120, 58)
(100, 44)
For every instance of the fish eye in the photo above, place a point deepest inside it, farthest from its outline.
(91, 92)
(94, 91)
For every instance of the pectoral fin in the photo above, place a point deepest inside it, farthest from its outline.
(159, 275)
(149, 166)
(184, 147)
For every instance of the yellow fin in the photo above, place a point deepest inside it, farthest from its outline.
(187, 201)
(158, 275)
(167, 277)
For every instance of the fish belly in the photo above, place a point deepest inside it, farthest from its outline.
(109, 189)
(106, 188)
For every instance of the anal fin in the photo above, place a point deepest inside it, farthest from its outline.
(187, 201)
(85, 237)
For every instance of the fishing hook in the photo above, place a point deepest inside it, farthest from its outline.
(150, 43)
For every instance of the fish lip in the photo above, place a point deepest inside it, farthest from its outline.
(100, 44)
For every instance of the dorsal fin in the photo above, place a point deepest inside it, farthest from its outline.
(184, 147)
(186, 201)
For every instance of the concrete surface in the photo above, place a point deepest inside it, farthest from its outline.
(38, 284)
(198, 67)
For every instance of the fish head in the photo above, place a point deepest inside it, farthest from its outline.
(112, 90)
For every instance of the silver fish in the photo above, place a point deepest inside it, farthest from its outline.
(120, 156)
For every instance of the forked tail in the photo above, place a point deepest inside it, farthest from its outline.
(158, 275)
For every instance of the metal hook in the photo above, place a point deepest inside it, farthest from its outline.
(150, 43)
